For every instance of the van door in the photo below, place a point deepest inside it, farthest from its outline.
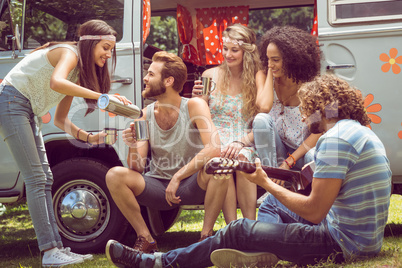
(362, 43)
(8, 58)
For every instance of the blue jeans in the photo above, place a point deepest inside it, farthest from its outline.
(271, 150)
(278, 231)
(19, 130)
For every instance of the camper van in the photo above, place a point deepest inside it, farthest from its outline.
(361, 43)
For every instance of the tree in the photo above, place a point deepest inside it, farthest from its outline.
(264, 19)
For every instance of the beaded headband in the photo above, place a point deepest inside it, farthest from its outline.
(98, 37)
(234, 41)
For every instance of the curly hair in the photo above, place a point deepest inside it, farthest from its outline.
(300, 52)
(251, 65)
(334, 98)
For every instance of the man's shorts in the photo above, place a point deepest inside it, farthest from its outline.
(153, 195)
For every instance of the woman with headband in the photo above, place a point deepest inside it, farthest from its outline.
(240, 94)
(52, 75)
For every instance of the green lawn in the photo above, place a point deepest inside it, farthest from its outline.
(18, 247)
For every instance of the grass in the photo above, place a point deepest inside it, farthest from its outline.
(18, 246)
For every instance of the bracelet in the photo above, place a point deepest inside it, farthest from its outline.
(287, 163)
(294, 160)
(78, 134)
(242, 143)
(90, 133)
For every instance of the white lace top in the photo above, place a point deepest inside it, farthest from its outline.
(31, 77)
(288, 123)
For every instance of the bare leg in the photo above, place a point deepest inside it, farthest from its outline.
(247, 196)
(215, 196)
(230, 204)
(124, 185)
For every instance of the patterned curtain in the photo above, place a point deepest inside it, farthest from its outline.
(185, 30)
(146, 20)
(211, 22)
(314, 30)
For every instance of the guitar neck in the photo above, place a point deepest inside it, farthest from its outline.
(273, 173)
(299, 179)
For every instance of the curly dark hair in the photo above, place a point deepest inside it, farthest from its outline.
(299, 49)
(334, 98)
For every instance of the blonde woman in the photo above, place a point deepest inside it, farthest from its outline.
(240, 94)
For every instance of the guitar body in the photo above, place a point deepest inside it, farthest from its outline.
(294, 180)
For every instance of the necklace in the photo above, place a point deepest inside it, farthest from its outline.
(284, 101)
(277, 89)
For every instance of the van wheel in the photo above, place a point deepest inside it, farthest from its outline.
(85, 213)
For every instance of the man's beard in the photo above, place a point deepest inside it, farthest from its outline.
(154, 91)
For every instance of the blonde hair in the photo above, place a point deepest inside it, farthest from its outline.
(251, 65)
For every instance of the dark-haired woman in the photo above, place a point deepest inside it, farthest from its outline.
(52, 75)
(291, 57)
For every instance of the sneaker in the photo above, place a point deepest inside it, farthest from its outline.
(68, 252)
(141, 244)
(56, 258)
(123, 256)
(227, 257)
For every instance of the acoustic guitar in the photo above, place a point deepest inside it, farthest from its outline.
(293, 180)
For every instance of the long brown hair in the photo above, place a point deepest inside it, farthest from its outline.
(91, 76)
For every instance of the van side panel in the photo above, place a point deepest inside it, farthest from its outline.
(365, 55)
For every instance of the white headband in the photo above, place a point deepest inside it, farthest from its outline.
(234, 41)
(98, 37)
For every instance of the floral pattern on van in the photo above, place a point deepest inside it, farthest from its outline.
(391, 61)
(371, 109)
(46, 118)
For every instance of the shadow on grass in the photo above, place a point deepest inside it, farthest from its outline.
(173, 240)
(393, 230)
(18, 237)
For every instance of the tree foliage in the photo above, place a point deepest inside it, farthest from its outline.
(163, 33)
(262, 20)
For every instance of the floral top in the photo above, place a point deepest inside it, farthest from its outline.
(227, 117)
(291, 129)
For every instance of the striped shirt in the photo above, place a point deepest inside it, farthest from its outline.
(353, 153)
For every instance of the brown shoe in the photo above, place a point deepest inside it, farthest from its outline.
(210, 233)
(144, 246)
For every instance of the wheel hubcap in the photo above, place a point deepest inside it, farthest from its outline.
(82, 210)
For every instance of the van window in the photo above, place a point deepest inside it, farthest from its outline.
(261, 20)
(348, 11)
(56, 20)
(163, 33)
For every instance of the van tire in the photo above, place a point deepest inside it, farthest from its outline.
(86, 214)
